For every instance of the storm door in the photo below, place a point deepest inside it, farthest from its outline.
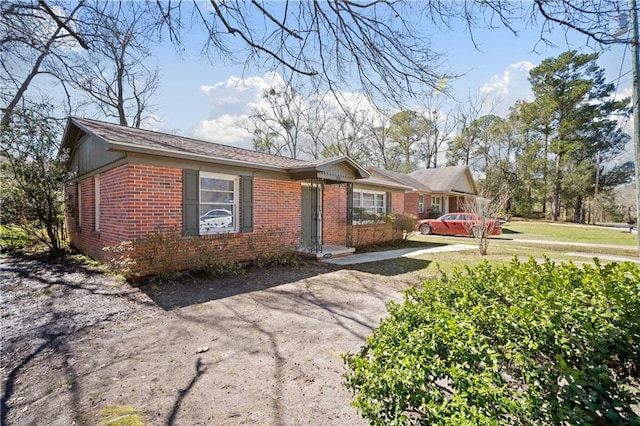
(311, 209)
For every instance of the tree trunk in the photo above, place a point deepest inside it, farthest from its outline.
(545, 174)
(577, 212)
(557, 188)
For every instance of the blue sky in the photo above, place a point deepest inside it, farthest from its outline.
(201, 99)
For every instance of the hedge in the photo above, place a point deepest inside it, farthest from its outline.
(523, 343)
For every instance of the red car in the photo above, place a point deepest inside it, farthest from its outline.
(457, 224)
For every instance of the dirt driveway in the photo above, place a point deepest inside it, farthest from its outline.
(262, 348)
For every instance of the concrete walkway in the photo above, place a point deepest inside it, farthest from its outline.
(606, 257)
(394, 254)
(415, 252)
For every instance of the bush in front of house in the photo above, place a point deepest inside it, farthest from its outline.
(163, 254)
(405, 223)
(524, 343)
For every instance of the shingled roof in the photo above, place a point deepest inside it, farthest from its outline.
(446, 179)
(122, 138)
(400, 178)
(127, 138)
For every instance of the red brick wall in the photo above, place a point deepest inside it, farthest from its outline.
(154, 197)
(80, 218)
(334, 215)
(397, 203)
(276, 226)
(276, 205)
(140, 201)
(134, 201)
(411, 203)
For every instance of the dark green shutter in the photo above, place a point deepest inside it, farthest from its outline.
(388, 202)
(349, 204)
(246, 205)
(190, 202)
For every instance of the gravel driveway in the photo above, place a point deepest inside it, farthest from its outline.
(261, 348)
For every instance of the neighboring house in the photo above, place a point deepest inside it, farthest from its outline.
(217, 200)
(451, 187)
(417, 197)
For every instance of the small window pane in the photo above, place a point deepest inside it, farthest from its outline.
(216, 197)
(357, 199)
(216, 184)
(216, 218)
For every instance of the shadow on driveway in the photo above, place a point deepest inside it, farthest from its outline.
(192, 291)
(189, 291)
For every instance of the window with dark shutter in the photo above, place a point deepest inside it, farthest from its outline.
(210, 203)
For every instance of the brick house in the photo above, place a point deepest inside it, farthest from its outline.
(214, 199)
(450, 188)
(417, 196)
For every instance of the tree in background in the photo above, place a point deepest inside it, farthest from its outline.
(113, 74)
(574, 101)
(535, 132)
(280, 123)
(467, 117)
(408, 129)
(37, 41)
(439, 131)
(381, 142)
(348, 135)
(33, 175)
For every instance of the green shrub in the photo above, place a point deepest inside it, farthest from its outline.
(405, 224)
(524, 343)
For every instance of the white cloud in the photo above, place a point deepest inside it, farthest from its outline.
(226, 129)
(231, 103)
(503, 90)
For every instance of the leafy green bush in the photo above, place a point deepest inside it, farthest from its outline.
(524, 343)
(405, 223)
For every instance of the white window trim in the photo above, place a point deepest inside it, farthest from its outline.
(236, 203)
(96, 183)
(375, 193)
(420, 204)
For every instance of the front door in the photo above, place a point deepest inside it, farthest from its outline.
(311, 208)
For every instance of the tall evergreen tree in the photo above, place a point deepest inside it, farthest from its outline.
(575, 110)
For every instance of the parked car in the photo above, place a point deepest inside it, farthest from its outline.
(457, 224)
(216, 218)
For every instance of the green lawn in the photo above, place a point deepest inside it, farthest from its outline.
(517, 241)
(568, 232)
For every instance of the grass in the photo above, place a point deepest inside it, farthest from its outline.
(569, 232)
(13, 238)
(517, 241)
(121, 415)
